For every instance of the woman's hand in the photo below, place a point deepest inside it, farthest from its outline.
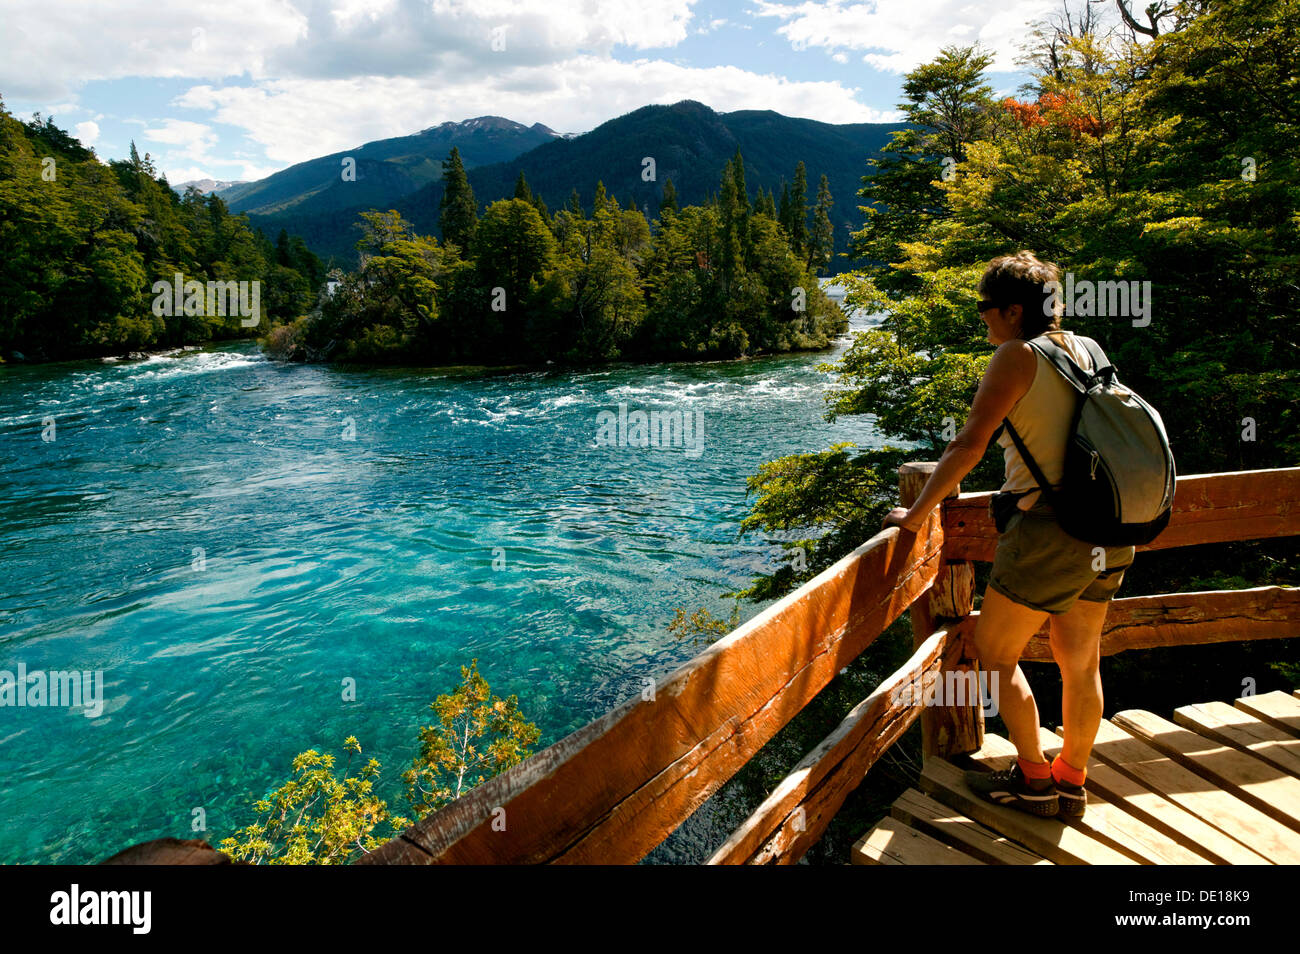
(904, 519)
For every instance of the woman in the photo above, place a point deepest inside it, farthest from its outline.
(1038, 570)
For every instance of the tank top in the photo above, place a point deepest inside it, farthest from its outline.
(1042, 419)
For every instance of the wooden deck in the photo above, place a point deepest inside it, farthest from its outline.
(1218, 785)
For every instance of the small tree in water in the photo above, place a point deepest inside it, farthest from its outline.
(314, 817)
(476, 736)
(318, 818)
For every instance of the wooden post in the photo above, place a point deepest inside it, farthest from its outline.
(946, 729)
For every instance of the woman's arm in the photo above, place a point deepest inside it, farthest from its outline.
(1009, 375)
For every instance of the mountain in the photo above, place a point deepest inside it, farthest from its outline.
(385, 169)
(689, 142)
(205, 185)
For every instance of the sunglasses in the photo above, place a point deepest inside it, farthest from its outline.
(984, 305)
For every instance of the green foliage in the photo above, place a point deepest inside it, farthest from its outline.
(715, 281)
(701, 625)
(457, 210)
(84, 242)
(1133, 162)
(317, 817)
(476, 736)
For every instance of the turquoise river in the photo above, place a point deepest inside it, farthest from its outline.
(232, 542)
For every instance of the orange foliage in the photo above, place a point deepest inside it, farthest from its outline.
(1060, 109)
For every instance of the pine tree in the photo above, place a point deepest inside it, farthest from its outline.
(799, 209)
(458, 212)
(575, 203)
(821, 244)
(784, 210)
(669, 202)
(738, 173)
(521, 188)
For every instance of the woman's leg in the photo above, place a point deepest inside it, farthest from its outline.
(1076, 646)
(1001, 632)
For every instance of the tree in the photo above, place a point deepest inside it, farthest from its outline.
(797, 226)
(669, 201)
(316, 817)
(821, 243)
(476, 735)
(948, 105)
(457, 211)
(521, 188)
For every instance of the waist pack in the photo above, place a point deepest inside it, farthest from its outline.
(1118, 484)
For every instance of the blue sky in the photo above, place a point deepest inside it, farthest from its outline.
(240, 89)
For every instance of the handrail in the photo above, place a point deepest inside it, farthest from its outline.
(1208, 508)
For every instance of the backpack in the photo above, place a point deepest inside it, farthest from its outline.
(1118, 483)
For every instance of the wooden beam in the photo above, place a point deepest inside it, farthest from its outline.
(795, 815)
(1238, 728)
(1185, 619)
(1208, 508)
(1142, 802)
(614, 789)
(948, 729)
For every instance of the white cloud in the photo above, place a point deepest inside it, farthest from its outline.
(897, 35)
(52, 47)
(298, 119)
(87, 132)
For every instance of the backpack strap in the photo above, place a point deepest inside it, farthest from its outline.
(1082, 380)
(1032, 464)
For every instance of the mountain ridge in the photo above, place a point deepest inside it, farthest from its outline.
(689, 142)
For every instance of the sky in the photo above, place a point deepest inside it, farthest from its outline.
(238, 89)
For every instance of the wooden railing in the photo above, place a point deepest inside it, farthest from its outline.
(613, 790)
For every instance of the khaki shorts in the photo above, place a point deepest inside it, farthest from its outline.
(1039, 565)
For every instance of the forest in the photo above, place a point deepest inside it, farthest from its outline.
(85, 241)
(519, 284)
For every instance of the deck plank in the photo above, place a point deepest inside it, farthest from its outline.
(1238, 728)
(1189, 830)
(1102, 820)
(1257, 831)
(891, 842)
(1266, 787)
(1276, 708)
(921, 812)
(1048, 837)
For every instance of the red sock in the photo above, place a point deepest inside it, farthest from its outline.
(1035, 770)
(1063, 771)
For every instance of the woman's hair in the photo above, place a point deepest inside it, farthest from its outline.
(1021, 279)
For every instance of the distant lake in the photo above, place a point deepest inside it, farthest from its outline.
(202, 531)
